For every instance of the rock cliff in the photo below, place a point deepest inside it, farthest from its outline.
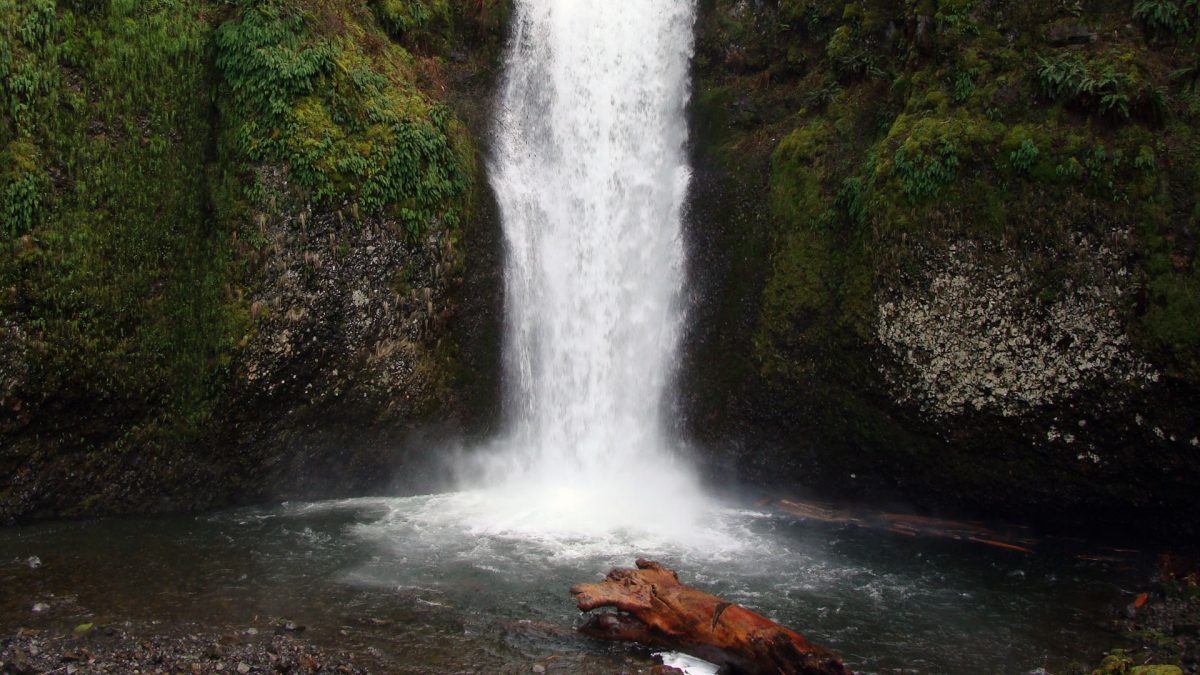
(946, 253)
(235, 247)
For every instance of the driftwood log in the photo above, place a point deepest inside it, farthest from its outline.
(654, 609)
(1013, 539)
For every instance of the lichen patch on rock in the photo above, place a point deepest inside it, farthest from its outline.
(979, 338)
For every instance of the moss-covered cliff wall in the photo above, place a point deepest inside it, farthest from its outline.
(947, 252)
(234, 246)
(940, 251)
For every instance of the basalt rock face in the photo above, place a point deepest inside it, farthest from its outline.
(945, 253)
(248, 249)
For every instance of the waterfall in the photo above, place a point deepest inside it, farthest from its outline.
(590, 172)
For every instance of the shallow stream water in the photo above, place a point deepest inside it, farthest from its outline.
(420, 585)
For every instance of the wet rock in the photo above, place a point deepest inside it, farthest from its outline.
(289, 627)
(40, 607)
(14, 364)
(979, 339)
(1065, 34)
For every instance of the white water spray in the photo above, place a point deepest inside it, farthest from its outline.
(591, 176)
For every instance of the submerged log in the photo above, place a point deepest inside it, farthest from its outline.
(654, 609)
(909, 525)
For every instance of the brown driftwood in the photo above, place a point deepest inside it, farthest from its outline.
(655, 609)
(908, 525)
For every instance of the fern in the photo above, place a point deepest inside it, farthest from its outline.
(1098, 86)
(339, 128)
(1165, 17)
(852, 200)
(20, 201)
(964, 85)
(922, 177)
(39, 24)
(1024, 157)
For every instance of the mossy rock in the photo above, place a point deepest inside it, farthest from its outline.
(910, 133)
(138, 146)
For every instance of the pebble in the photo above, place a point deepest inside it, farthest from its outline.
(539, 668)
(40, 607)
(149, 652)
(34, 562)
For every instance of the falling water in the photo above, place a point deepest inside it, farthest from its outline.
(590, 173)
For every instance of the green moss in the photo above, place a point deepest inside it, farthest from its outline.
(929, 150)
(1174, 305)
(443, 27)
(976, 129)
(118, 270)
(345, 122)
(1163, 18)
(21, 188)
(132, 138)
(818, 291)
(1120, 662)
(796, 175)
(413, 19)
(1112, 83)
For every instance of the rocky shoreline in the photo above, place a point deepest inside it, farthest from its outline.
(1159, 634)
(181, 649)
(1160, 627)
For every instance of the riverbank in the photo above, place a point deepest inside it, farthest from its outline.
(187, 648)
(418, 581)
(1162, 624)
(1157, 632)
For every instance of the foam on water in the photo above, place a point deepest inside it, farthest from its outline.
(508, 527)
(590, 174)
(435, 583)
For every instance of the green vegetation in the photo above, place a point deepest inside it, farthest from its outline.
(405, 18)
(343, 121)
(895, 140)
(1024, 156)
(139, 141)
(923, 174)
(110, 257)
(1165, 17)
(441, 27)
(1014, 138)
(1109, 85)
